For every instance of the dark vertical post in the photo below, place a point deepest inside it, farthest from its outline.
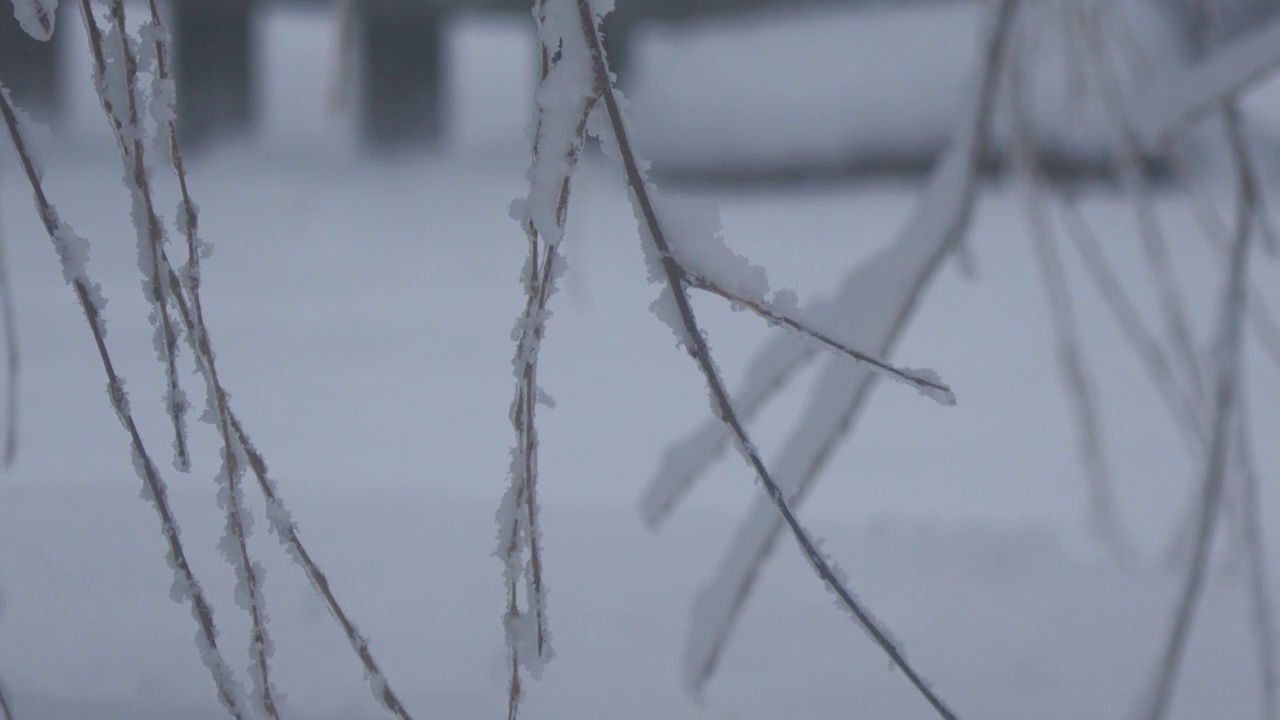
(402, 75)
(31, 68)
(213, 53)
(619, 30)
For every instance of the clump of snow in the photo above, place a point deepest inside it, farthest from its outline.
(932, 386)
(37, 17)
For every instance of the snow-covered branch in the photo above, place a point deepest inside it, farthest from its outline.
(1080, 386)
(72, 252)
(874, 303)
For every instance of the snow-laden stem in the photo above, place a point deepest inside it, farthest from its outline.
(1140, 338)
(286, 529)
(1126, 152)
(696, 345)
(130, 135)
(519, 534)
(6, 710)
(1226, 374)
(1262, 606)
(71, 249)
(127, 125)
(1251, 213)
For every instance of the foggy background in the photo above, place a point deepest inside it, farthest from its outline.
(361, 296)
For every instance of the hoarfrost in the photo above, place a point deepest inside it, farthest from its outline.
(560, 97)
(37, 17)
(873, 305)
(933, 387)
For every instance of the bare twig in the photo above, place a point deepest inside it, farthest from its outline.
(248, 575)
(696, 345)
(70, 250)
(519, 533)
(12, 358)
(1259, 578)
(6, 710)
(287, 533)
(1225, 413)
(903, 270)
(1249, 212)
(1140, 338)
(153, 260)
(1127, 155)
(1081, 390)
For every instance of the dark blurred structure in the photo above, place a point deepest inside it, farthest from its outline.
(402, 56)
(29, 68)
(214, 67)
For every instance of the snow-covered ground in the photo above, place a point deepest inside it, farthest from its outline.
(362, 313)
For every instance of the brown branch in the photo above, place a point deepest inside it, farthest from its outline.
(87, 296)
(696, 345)
(1078, 381)
(925, 383)
(6, 710)
(129, 136)
(12, 357)
(543, 268)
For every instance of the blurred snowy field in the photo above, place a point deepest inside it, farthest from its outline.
(362, 312)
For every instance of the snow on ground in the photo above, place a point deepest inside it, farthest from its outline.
(362, 312)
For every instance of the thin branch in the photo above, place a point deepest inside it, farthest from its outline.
(1249, 212)
(129, 134)
(878, 298)
(696, 345)
(1137, 186)
(924, 382)
(12, 357)
(1225, 405)
(1081, 390)
(70, 249)
(519, 532)
(287, 533)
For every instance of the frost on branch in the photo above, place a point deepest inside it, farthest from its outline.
(37, 17)
(872, 307)
(566, 93)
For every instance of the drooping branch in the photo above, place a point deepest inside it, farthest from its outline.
(71, 250)
(663, 259)
(1225, 387)
(875, 303)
